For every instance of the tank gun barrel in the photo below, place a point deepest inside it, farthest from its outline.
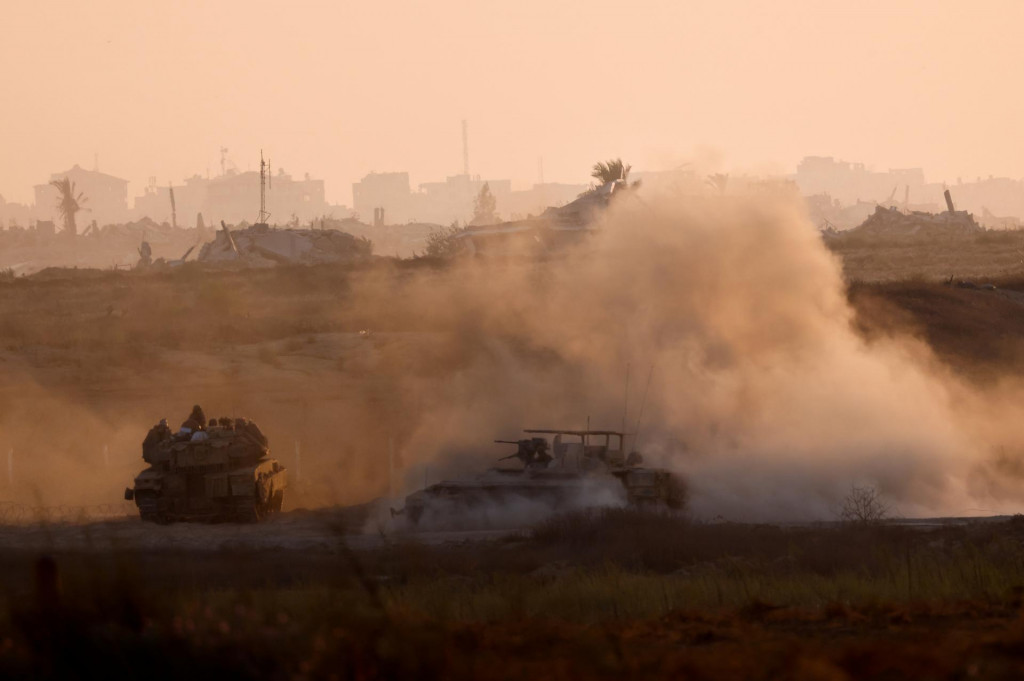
(520, 452)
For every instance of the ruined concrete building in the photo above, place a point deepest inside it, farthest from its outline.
(264, 246)
(892, 223)
(553, 230)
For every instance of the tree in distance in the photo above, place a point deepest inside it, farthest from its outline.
(68, 204)
(863, 506)
(485, 208)
(719, 182)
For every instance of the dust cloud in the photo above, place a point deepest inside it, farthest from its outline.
(54, 451)
(761, 393)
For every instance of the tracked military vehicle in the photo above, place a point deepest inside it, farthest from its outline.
(578, 468)
(213, 473)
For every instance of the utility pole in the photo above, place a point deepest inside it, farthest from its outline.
(174, 211)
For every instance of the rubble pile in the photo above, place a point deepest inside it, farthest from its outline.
(263, 246)
(893, 223)
(555, 229)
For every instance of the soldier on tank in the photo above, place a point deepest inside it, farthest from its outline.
(155, 436)
(198, 416)
(533, 452)
(196, 421)
(541, 457)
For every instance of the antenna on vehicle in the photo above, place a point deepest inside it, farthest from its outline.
(643, 403)
(391, 466)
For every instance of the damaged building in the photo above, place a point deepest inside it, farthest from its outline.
(554, 229)
(263, 246)
(893, 223)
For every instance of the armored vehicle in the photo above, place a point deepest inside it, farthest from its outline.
(577, 469)
(216, 472)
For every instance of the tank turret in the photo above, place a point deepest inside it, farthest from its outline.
(216, 471)
(532, 452)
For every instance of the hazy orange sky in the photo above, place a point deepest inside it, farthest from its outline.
(340, 89)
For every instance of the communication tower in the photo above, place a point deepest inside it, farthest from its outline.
(264, 165)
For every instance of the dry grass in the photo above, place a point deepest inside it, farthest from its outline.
(599, 595)
(931, 258)
(189, 308)
(977, 331)
(85, 317)
(935, 601)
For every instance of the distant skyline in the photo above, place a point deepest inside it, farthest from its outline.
(341, 89)
(138, 189)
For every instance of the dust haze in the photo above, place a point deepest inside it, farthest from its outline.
(760, 392)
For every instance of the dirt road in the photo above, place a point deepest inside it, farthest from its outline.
(328, 531)
(358, 528)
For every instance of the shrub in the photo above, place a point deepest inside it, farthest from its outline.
(444, 243)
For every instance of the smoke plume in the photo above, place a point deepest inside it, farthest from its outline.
(727, 312)
(761, 392)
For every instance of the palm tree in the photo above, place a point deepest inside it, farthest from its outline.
(719, 181)
(68, 204)
(613, 170)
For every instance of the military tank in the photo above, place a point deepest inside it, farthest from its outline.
(216, 472)
(576, 469)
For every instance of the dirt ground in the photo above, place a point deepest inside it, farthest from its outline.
(339, 384)
(986, 255)
(360, 528)
(653, 596)
(91, 359)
